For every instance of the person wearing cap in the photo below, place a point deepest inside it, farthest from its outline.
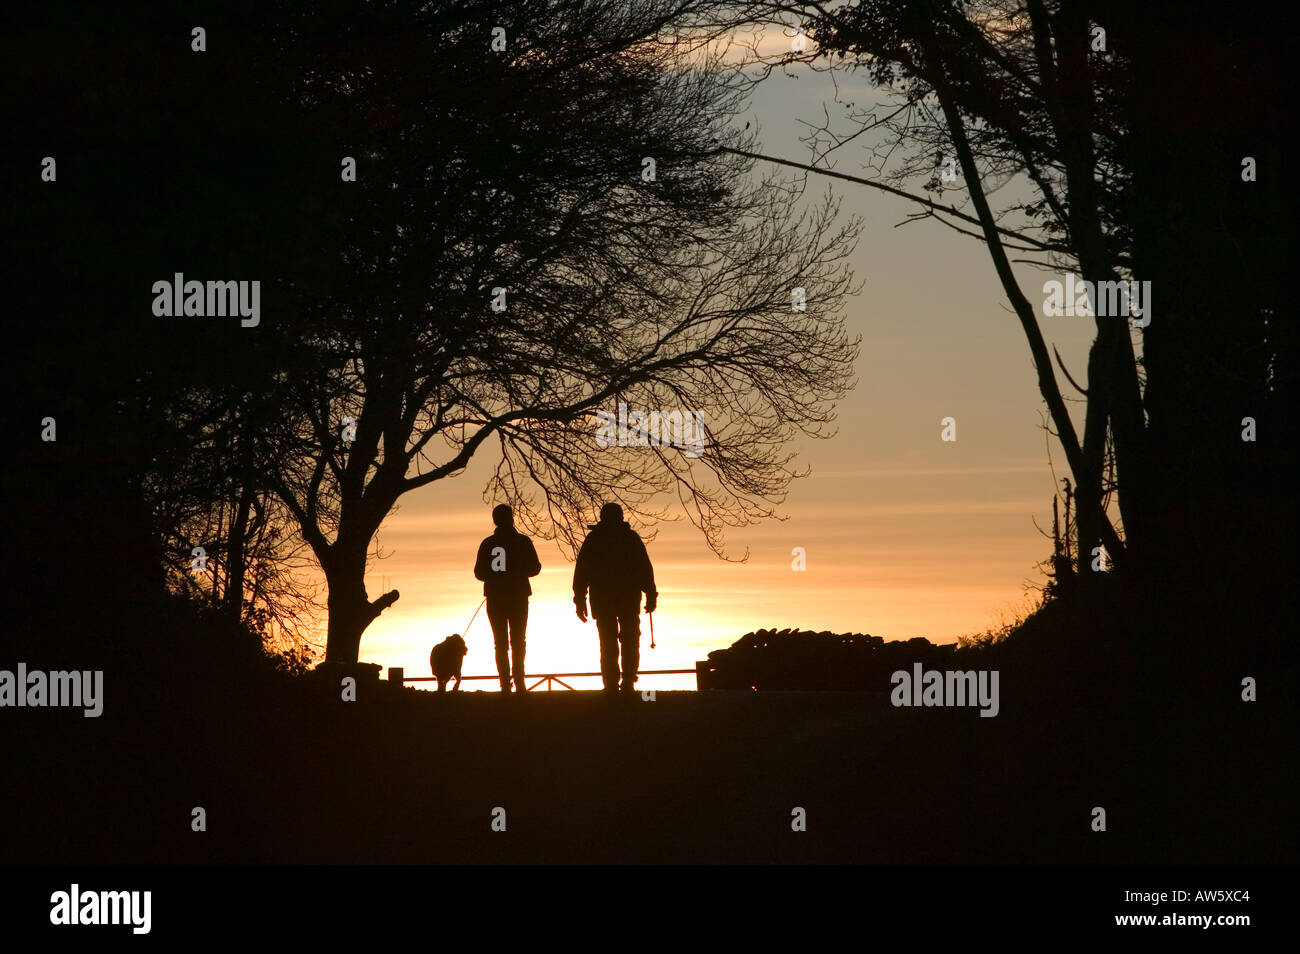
(614, 567)
(505, 562)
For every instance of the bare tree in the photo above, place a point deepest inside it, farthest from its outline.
(541, 233)
(227, 539)
(986, 94)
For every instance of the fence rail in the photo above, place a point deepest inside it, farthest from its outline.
(397, 674)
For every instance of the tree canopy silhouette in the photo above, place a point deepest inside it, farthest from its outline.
(541, 228)
(537, 234)
(1117, 173)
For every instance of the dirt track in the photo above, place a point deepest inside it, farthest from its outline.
(409, 777)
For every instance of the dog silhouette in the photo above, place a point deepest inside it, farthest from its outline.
(445, 660)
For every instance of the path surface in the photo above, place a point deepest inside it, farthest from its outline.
(410, 777)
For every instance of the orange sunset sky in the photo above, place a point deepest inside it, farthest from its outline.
(906, 535)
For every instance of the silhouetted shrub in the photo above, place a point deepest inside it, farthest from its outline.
(798, 659)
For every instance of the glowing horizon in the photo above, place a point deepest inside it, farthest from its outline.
(905, 534)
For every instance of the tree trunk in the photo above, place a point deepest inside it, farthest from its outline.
(350, 609)
(347, 605)
(1089, 504)
(237, 553)
(1114, 392)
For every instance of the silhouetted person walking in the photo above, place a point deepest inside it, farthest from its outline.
(505, 562)
(614, 565)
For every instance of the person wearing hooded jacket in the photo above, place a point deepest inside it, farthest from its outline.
(504, 563)
(614, 567)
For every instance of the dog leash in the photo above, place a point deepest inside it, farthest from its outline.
(474, 617)
(652, 629)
